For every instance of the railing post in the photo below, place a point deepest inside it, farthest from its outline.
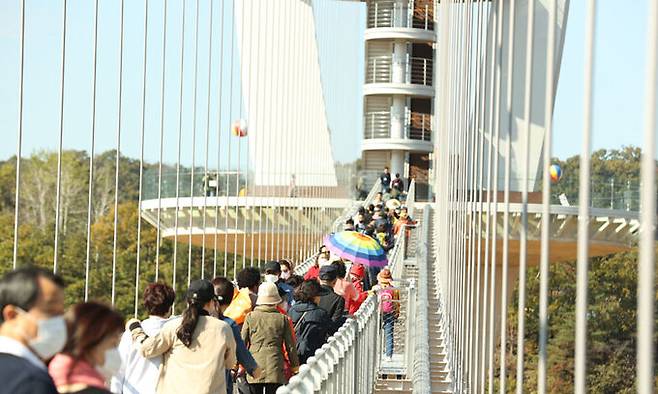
(426, 15)
(425, 72)
(410, 319)
(376, 13)
(422, 127)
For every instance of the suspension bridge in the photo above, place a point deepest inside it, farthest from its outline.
(229, 111)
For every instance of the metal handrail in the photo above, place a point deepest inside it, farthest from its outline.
(335, 366)
(379, 69)
(389, 13)
(419, 126)
(377, 125)
(420, 376)
(354, 341)
(416, 70)
(351, 211)
(411, 197)
(419, 71)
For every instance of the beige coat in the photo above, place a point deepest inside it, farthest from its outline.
(265, 331)
(199, 368)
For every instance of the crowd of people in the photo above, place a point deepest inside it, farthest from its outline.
(250, 334)
(253, 335)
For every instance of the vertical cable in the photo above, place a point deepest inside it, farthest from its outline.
(523, 245)
(58, 187)
(118, 157)
(91, 151)
(19, 137)
(489, 259)
(252, 110)
(195, 85)
(580, 385)
(645, 291)
(207, 144)
(141, 159)
(259, 145)
(509, 106)
(162, 105)
(546, 201)
(494, 235)
(230, 120)
(178, 146)
(220, 84)
(242, 116)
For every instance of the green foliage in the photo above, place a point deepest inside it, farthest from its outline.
(614, 176)
(612, 298)
(611, 326)
(37, 228)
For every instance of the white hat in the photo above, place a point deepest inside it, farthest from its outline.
(268, 294)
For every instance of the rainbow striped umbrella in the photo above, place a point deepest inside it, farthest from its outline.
(357, 248)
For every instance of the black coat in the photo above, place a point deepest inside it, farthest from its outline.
(19, 376)
(333, 304)
(312, 331)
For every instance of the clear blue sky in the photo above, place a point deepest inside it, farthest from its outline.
(619, 76)
(341, 65)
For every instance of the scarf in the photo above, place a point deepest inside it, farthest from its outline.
(65, 370)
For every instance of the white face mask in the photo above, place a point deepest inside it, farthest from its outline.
(112, 363)
(271, 278)
(323, 261)
(51, 335)
(285, 275)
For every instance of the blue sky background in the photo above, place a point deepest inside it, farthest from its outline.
(619, 76)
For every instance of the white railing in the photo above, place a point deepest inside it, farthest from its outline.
(342, 365)
(379, 69)
(411, 198)
(382, 14)
(337, 366)
(377, 125)
(351, 211)
(301, 269)
(419, 71)
(420, 375)
(418, 126)
(414, 70)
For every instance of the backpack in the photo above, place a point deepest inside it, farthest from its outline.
(387, 300)
(311, 335)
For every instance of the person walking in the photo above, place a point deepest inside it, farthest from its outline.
(245, 300)
(344, 286)
(397, 186)
(197, 347)
(32, 329)
(389, 306)
(273, 274)
(139, 375)
(266, 332)
(357, 276)
(91, 355)
(224, 291)
(385, 179)
(331, 302)
(311, 322)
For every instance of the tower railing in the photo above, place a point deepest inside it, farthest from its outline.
(377, 124)
(416, 70)
(413, 14)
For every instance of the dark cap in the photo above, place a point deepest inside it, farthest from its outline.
(201, 291)
(328, 272)
(272, 266)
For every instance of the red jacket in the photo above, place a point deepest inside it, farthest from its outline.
(312, 273)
